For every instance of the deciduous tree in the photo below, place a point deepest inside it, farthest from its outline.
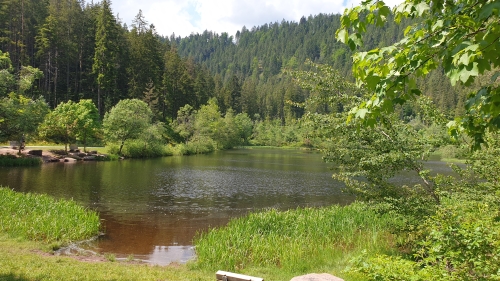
(20, 116)
(70, 122)
(128, 119)
(461, 36)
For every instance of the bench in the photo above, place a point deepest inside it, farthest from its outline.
(73, 148)
(229, 276)
(13, 144)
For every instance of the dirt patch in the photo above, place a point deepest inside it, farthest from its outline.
(47, 156)
(82, 258)
(54, 155)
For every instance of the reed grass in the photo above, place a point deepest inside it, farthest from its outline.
(39, 217)
(202, 146)
(14, 161)
(296, 241)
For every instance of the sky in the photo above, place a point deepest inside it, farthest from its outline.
(184, 17)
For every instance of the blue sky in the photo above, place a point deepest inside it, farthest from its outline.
(184, 17)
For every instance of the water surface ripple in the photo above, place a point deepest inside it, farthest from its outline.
(152, 209)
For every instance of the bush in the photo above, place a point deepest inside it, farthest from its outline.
(142, 149)
(459, 239)
(139, 149)
(452, 152)
(196, 146)
(459, 242)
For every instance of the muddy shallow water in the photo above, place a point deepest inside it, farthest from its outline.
(152, 209)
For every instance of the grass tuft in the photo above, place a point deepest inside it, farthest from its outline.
(14, 161)
(39, 217)
(295, 241)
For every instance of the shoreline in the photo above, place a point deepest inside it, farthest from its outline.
(48, 155)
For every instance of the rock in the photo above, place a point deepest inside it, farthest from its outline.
(73, 148)
(89, 158)
(35, 152)
(316, 277)
(73, 156)
(69, 159)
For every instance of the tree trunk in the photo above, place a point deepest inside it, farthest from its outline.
(99, 106)
(121, 146)
(56, 76)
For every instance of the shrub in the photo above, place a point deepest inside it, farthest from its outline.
(459, 239)
(139, 149)
(142, 149)
(459, 242)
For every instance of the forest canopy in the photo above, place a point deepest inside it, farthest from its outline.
(460, 37)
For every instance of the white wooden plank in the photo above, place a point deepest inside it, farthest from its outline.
(229, 276)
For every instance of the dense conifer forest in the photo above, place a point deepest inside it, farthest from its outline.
(85, 52)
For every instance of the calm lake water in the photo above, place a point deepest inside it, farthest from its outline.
(152, 209)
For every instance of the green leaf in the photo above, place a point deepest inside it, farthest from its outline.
(421, 8)
(384, 11)
(464, 58)
(356, 38)
(488, 9)
(342, 35)
(416, 92)
(437, 24)
(495, 76)
(351, 44)
(468, 71)
(372, 81)
(361, 113)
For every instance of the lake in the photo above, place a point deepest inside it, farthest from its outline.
(151, 209)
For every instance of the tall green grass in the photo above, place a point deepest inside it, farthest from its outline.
(139, 149)
(298, 241)
(14, 161)
(41, 218)
(193, 147)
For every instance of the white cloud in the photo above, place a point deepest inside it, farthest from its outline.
(194, 16)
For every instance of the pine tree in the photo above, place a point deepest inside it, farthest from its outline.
(105, 62)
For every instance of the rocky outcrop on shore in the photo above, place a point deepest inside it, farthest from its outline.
(56, 155)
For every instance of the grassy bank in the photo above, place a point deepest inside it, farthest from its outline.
(295, 242)
(14, 161)
(39, 217)
(23, 261)
(32, 225)
(273, 244)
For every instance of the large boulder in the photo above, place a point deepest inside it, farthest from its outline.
(69, 159)
(317, 277)
(35, 152)
(90, 158)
